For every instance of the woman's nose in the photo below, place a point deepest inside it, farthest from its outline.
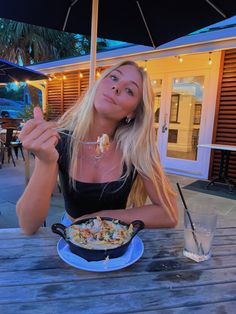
(116, 90)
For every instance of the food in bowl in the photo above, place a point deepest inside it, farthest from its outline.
(99, 234)
(98, 238)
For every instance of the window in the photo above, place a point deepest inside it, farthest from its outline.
(174, 109)
(172, 136)
(197, 113)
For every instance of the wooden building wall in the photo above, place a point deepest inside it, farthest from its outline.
(63, 92)
(225, 118)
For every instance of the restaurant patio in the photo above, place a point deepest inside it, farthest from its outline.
(35, 280)
(12, 183)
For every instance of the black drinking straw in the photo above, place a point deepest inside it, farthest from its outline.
(190, 219)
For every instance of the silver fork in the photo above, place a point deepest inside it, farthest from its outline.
(81, 142)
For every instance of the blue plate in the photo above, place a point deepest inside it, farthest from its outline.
(133, 253)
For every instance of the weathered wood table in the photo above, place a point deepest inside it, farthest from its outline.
(33, 278)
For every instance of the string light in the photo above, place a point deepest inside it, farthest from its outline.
(145, 66)
(81, 75)
(180, 59)
(64, 77)
(209, 59)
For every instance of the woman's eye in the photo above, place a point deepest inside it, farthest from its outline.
(129, 91)
(113, 77)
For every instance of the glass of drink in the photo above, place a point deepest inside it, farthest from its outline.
(199, 228)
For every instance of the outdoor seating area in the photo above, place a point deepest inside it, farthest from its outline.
(162, 269)
(118, 157)
(10, 145)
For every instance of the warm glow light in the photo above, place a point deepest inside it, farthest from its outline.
(180, 59)
(145, 66)
(98, 74)
(17, 83)
(81, 75)
(45, 82)
(209, 59)
(64, 77)
(50, 79)
(27, 81)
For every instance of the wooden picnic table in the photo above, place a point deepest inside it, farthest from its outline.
(35, 280)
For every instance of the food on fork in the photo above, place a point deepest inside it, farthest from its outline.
(103, 143)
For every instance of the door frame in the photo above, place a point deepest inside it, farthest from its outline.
(200, 167)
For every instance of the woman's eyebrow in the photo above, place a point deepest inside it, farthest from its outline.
(133, 82)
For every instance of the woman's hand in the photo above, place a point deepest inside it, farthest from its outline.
(40, 137)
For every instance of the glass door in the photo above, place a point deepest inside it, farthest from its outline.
(181, 123)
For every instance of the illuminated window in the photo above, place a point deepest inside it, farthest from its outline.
(197, 113)
(174, 109)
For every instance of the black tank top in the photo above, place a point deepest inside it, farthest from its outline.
(88, 198)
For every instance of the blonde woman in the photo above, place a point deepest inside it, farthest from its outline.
(114, 182)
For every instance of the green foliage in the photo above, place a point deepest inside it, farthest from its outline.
(27, 112)
(27, 44)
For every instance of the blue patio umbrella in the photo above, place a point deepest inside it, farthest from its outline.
(11, 72)
(147, 22)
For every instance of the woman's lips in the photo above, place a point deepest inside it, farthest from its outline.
(109, 99)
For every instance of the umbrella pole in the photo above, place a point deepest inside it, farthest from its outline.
(93, 49)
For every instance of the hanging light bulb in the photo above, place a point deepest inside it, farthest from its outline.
(98, 74)
(209, 59)
(145, 66)
(180, 59)
(81, 75)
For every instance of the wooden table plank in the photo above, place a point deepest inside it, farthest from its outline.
(99, 286)
(35, 280)
(122, 302)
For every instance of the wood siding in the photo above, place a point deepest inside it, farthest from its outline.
(225, 118)
(64, 90)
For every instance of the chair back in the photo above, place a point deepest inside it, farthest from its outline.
(9, 136)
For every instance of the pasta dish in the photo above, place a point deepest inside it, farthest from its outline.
(99, 234)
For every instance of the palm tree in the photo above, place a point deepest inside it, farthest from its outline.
(27, 44)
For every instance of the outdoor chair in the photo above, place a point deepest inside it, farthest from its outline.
(10, 144)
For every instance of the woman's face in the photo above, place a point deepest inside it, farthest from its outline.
(119, 93)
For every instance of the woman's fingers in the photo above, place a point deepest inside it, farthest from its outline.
(40, 137)
(37, 138)
(39, 129)
(38, 115)
(46, 151)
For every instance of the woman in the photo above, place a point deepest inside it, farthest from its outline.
(120, 104)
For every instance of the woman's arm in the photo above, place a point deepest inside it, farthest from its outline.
(32, 207)
(39, 137)
(153, 215)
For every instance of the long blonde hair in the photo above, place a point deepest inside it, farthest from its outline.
(136, 140)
